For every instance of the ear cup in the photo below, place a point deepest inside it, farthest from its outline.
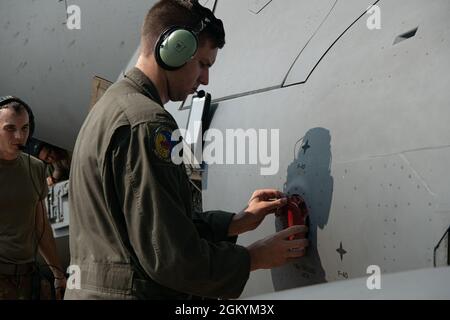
(8, 99)
(175, 47)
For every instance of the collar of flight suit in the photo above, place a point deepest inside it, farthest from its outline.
(147, 87)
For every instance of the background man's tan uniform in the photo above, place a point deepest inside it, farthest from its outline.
(133, 233)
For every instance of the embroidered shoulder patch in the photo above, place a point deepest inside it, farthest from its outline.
(163, 144)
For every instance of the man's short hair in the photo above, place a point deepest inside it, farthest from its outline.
(169, 13)
(14, 105)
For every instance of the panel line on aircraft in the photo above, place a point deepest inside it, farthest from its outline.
(257, 9)
(326, 52)
(248, 93)
(306, 44)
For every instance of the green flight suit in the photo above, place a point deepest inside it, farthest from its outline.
(132, 230)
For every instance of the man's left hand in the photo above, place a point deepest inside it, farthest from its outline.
(262, 203)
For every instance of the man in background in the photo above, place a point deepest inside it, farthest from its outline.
(58, 163)
(24, 226)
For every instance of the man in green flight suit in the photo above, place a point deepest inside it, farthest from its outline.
(133, 232)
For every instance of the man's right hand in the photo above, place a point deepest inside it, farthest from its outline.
(276, 250)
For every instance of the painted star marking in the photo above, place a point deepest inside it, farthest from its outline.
(341, 251)
(306, 146)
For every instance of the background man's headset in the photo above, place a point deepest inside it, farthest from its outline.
(178, 44)
(4, 101)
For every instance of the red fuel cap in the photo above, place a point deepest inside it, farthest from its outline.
(295, 213)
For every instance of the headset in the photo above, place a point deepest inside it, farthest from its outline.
(177, 44)
(8, 99)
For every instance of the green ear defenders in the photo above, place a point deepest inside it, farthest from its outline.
(8, 99)
(177, 45)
